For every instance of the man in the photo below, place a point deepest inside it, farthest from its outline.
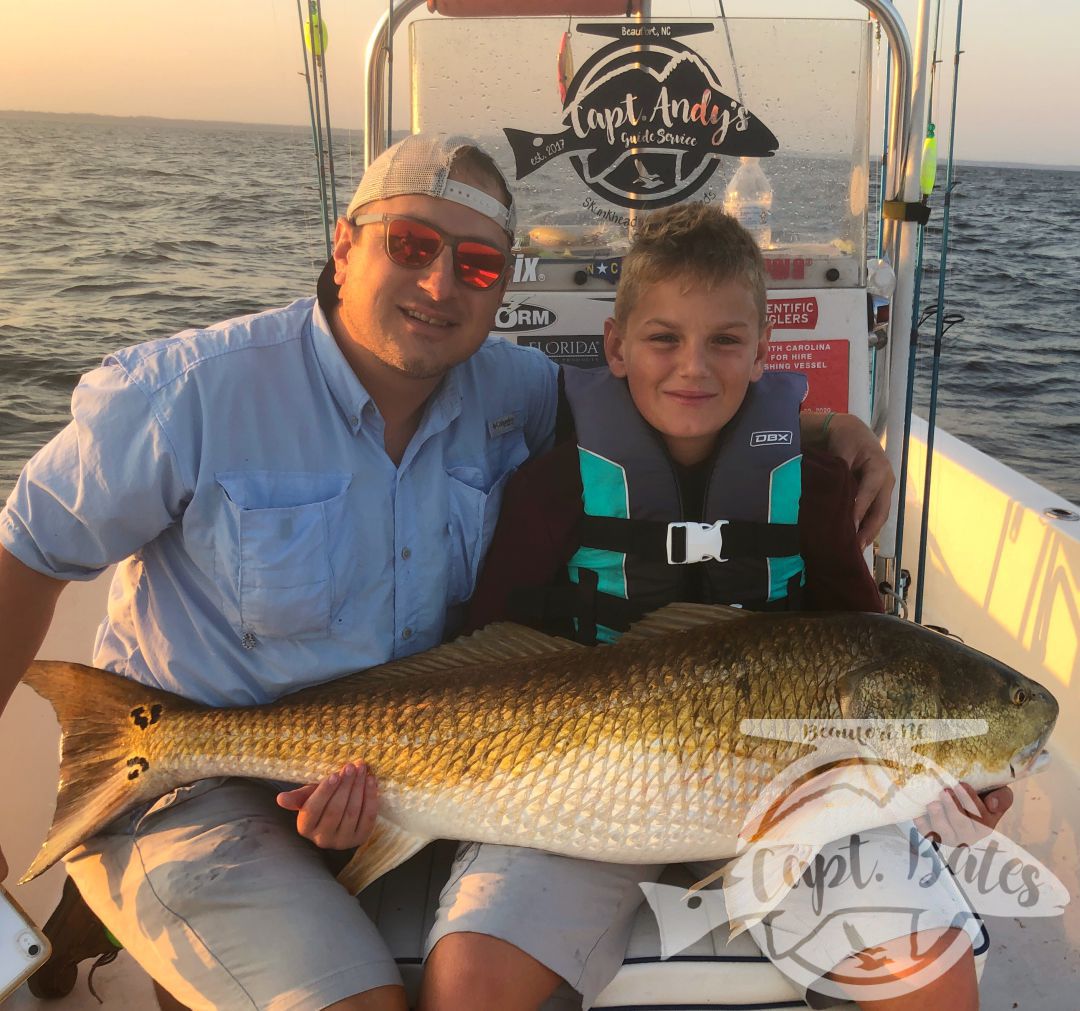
(291, 496)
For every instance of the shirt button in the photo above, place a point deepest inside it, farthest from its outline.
(406, 633)
(406, 554)
(354, 421)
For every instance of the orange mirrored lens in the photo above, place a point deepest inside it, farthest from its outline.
(479, 265)
(413, 244)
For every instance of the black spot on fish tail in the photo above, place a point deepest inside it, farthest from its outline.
(137, 766)
(142, 720)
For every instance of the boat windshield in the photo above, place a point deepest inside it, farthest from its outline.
(598, 119)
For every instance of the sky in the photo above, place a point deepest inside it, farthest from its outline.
(237, 60)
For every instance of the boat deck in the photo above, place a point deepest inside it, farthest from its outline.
(1032, 964)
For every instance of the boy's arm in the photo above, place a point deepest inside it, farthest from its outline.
(837, 578)
(535, 535)
(845, 436)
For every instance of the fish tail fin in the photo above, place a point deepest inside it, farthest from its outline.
(108, 728)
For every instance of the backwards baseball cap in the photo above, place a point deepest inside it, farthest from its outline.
(420, 165)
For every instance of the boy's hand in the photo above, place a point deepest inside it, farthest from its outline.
(961, 817)
(848, 438)
(338, 813)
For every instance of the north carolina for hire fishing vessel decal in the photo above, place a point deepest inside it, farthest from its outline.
(646, 119)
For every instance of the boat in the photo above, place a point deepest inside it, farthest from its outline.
(1001, 568)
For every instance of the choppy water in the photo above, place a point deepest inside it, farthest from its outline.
(113, 232)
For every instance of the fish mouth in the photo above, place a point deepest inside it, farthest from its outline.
(1029, 761)
(1038, 763)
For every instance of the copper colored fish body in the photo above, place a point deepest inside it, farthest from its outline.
(632, 753)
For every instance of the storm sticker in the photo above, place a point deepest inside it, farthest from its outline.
(646, 125)
(522, 318)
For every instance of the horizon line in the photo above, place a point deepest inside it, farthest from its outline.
(989, 162)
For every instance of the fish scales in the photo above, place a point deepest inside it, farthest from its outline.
(587, 747)
(631, 752)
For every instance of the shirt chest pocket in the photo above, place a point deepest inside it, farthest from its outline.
(473, 511)
(275, 550)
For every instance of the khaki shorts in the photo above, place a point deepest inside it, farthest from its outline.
(575, 916)
(214, 893)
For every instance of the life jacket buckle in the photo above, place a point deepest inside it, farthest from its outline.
(695, 542)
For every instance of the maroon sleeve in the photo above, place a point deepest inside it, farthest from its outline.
(837, 578)
(536, 534)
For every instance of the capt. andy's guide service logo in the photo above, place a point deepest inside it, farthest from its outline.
(646, 119)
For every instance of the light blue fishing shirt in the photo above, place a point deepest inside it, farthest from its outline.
(265, 540)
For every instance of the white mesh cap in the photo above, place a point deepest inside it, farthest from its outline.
(420, 165)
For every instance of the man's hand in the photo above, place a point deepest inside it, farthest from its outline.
(338, 813)
(961, 817)
(848, 438)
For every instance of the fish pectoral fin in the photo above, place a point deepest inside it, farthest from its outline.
(859, 689)
(500, 642)
(387, 847)
(679, 617)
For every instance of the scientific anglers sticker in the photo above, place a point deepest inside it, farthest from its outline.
(646, 120)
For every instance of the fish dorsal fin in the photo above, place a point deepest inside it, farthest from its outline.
(495, 643)
(387, 847)
(679, 618)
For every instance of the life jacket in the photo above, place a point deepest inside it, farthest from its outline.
(637, 545)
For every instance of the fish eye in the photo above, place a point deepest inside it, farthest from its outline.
(1019, 696)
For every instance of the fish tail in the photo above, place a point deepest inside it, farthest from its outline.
(108, 725)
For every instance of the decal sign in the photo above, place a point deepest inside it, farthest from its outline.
(586, 352)
(522, 318)
(793, 313)
(825, 365)
(645, 124)
(525, 269)
(786, 269)
(609, 270)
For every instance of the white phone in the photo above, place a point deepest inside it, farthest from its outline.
(23, 948)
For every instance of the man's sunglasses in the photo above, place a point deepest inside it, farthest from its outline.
(416, 244)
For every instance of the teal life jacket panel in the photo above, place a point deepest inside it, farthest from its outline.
(630, 553)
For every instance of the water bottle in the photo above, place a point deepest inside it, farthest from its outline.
(748, 199)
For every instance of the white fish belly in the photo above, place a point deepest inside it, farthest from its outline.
(647, 809)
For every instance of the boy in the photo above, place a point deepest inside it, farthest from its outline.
(684, 424)
(672, 432)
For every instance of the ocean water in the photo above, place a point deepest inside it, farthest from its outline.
(113, 232)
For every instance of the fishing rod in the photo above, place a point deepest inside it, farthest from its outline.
(314, 129)
(927, 178)
(883, 176)
(939, 328)
(390, 75)
(315, 37)
(320, 66)
(731, 52)
(883, 169)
